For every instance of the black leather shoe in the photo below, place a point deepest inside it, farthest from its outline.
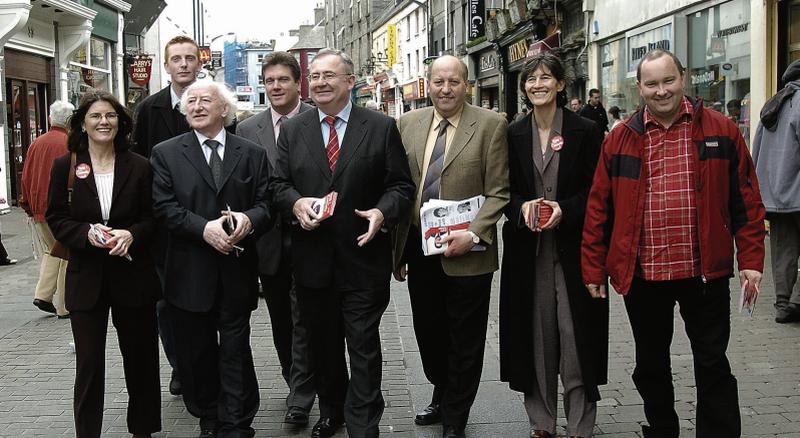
(44, 306)
(208, 433)
(326, 427)
(432, 414)
(790, 313)
(208, 428)
(175, 384)
(7, 261)
(453, 432)
(296, 417)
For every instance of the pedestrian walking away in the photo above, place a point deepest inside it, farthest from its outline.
(49, 294)
(776, 157)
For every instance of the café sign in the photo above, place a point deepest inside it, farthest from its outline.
(477, 14)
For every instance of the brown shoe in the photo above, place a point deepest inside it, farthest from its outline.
(541, 434)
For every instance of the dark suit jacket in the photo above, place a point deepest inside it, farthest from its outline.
(186, 198)
(130, 283)
(156, 122)
(577, 161)
(371, 172)
(258, 129)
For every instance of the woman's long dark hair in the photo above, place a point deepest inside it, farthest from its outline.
(553, 63)
(78, 141)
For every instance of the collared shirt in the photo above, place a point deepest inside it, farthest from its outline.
(174, 96)
(341, 123)
(669, 247)
(276, 117)
(220, 137)
(433, 132)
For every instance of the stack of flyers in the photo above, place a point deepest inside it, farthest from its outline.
(747, 300)
(538, 214)
(323, 207)
(104, 237)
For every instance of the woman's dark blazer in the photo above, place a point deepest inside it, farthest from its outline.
(577, 161)
(91, 270)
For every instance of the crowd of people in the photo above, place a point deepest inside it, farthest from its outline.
(175, 219)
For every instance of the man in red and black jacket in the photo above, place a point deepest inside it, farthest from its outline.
(674, 189)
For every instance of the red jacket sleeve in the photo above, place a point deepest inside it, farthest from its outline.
(749, 235)
(594, 248)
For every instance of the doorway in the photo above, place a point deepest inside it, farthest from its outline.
(27, 120)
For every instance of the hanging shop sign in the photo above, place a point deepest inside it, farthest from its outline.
(139, 69)
(477, 14)
(545, 45)
(205, 54)
(391, 44)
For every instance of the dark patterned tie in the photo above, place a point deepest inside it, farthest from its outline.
(430, 188)
(332, 149)
(215, 162)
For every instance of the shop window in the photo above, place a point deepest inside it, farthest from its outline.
(613, 83)
(719, 60)
(90, 67)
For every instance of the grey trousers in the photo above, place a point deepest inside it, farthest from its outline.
(556, 353)
(784, 245)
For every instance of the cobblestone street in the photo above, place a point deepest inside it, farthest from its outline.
(37, 371)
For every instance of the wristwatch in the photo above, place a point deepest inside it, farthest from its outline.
(475, 239)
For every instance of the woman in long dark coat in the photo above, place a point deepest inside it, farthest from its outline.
(549, 324)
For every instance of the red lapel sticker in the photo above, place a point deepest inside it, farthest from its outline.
(556, 143)
(82, 171)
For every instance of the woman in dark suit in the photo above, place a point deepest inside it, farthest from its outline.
(112, 192)
(549, 324)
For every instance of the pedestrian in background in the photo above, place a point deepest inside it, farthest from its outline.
(281, 74)
(615, 117)
(776, 152)
(575, 105)
(4, 260)
(107, 224)
(49, 295)
(593, 110)
(158, 118)
(675, 162)
(549, 325)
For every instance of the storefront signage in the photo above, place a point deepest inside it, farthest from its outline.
(139, 69)
(88, 76)
(410, 92)
(477, 14)
(638, 53)
(488, 61)
(517, 51)
(658, 38)
(244, 90)
(703, 77)
(216, 59)
(732, 30)
(391, 44)
(546, 44)
(422, 94)
(205, 54)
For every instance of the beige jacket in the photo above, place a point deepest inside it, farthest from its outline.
(476, 164)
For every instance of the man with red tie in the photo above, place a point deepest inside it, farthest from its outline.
(342, 264)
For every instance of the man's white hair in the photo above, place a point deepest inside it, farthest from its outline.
(227, 96)
(60, 112)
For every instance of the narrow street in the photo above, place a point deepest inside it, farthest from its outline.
(37, 371)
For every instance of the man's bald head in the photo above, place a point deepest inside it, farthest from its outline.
(448, 61)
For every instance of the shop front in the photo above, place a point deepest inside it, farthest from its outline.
(515, 55)
(414, 94)
(488, 79)
(713, 41)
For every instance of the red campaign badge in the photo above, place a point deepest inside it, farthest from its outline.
(82, 171)
(557, 143)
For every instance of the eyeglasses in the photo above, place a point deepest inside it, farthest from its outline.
(326, 76)
(95, 117)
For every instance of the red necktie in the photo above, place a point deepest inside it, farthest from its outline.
(333, 142)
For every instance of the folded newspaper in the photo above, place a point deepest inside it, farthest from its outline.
(438, 218)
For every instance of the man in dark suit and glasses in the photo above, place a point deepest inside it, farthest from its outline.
(281, 74)
(342, 265)
(210, 271)
(158, 118)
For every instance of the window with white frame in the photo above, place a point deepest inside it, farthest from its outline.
(90, 67)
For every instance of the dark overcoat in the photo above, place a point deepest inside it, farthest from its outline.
(578, 158)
